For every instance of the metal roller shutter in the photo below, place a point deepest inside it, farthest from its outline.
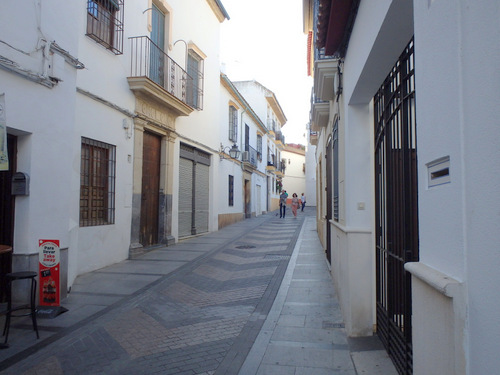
(201, 197)
(185, 196)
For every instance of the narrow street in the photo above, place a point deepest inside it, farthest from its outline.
(203, 306)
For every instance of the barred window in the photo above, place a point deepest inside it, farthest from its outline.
(233, 123)
(259, 146)
(105, 23)
(335, 171)
(195, 80)
(97, 183)
(231, 190)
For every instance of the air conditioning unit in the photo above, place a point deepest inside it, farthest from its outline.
(245, 156)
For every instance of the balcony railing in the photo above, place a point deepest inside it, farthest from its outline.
(280, 137)
(250, 156)
(149, 60)
(316, 100)
(271, 125)
(319, 54)
(282, 167)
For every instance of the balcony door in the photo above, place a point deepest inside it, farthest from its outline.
(157, 57)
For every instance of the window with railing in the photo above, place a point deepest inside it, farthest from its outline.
(195, 80)
(149, 60)
(259, 147)
(105, 23)
(233, 123)
(250, 156)
(97, 183)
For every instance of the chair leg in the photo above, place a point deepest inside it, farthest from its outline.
(9, 312)
(33, 306)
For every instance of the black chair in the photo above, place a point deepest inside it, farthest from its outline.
(25, 275)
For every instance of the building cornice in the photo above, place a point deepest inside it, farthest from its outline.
(218, 9)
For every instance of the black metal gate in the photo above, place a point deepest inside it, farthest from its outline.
(396, 207)
(329, 200)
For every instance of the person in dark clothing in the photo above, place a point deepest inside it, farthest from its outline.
(283, 198)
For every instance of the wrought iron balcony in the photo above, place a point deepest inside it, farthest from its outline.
(271, 125)
(282, 167)
(280, 137)
(271, 162)
(326, 75)
(151, 62)
(319, 54)
(250, 156)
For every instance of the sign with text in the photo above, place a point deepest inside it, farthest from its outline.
(48, 268)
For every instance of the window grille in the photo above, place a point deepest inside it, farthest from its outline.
(335, 146)
(97, 183)
(105, 23)
(233, 124)
(231, 190)
(195, 80)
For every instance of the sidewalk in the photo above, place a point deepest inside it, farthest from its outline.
(212, 304)
(304, 331)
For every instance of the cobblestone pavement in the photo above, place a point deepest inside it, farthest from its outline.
(200, 319)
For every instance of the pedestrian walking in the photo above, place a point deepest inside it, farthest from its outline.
(283, 198)
(303, 200)
(295, 204)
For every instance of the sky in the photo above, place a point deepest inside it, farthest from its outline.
(264, 40)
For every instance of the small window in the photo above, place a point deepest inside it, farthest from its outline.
(233, 124)
(231, 191)
(97, 183)
(105, 23)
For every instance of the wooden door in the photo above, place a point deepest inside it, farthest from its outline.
(150, 189)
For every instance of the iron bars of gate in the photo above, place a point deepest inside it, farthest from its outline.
(396, 207)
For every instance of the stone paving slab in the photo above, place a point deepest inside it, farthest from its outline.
(199, 318)
(255, 298)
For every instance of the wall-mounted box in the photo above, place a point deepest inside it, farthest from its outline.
(438, 172)
(20, 184)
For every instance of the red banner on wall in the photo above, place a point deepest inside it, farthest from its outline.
(48, 268)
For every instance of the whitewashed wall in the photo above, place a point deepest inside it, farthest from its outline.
(369, 58)
(310, 175)
(227, 166)
(457, 98)
(195, 22)
(295, 178)
(42, 118)
(98, 246)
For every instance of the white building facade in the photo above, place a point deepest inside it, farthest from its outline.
(175, 128)
(100, 143)
(266, 106)
(294, 159)
(242, 179)
(403, 104)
